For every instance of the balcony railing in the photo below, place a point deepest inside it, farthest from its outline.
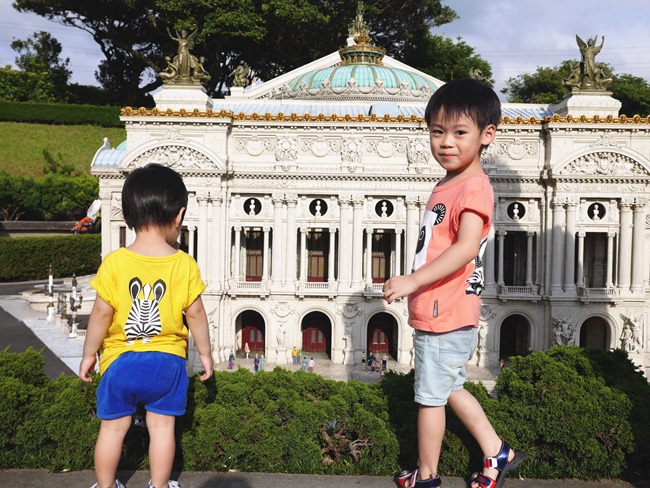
(609, 294)
(527, 292)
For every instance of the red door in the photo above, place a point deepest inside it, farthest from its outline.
(378, 340)
(313, 340)
(254, 337)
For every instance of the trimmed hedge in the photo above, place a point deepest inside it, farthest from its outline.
(555, 406)
(60, 113)
(29, 258)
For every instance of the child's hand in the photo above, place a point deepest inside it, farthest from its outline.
(398, 287)
(208, 366)
(86, 367)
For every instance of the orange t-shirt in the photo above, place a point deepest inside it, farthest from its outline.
(452, 302)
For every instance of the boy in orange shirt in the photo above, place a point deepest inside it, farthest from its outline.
(447, 277)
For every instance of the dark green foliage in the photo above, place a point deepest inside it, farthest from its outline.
(59, 113)
(28, 258)
(58, 195)
(283, 421)
(570, 423)
(555, 406)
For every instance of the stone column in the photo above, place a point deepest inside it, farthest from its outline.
(580, 281)
(625, 245)
(345, 245)
(558, 245)
(638, 248)
(291, 256)
(357, 243)
(303, 254)
(237, 251)
(501, 235)
(202, 250)
(609, 282)
(330, 257)
(412, 232)
(265, 256)
(570, 248)
(490, 260)
(278, 241)
(105, 196)
(191, 230)
(369, 258)
(529, 258)
(219, 238)
(398, 251)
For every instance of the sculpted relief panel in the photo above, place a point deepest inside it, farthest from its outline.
(604, 163)
(177, 157)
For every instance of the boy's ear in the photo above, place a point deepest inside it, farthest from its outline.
(178, 220)
(489, 134)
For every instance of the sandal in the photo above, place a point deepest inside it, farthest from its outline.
(407, 479)
(501, 464)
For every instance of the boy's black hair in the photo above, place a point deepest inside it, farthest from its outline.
(152, 196)
(465, 96)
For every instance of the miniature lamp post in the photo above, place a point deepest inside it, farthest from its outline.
(50, 292)
(75, 304)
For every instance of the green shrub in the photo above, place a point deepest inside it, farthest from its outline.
(54, 196)
(29, 258)
(60, 113)
(570, 423)
(555, 406)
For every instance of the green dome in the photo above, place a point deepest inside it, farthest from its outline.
(365, 76)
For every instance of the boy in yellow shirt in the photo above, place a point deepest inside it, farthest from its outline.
(136, 326)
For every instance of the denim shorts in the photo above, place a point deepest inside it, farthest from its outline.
(156, 379)
(440, 360)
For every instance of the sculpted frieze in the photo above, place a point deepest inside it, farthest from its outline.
(320, 146)
(516, 148)
(255, 146)
(604, 163)
(286, 149)
(177, 157)
(418, 151)
(352, 150)
(385, 147)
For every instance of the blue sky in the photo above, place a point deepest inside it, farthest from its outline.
(514, 36)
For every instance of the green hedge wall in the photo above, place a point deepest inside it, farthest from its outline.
(570, 420)
(60, 113)
(28, 258)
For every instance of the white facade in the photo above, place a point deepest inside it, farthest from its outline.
(303, 201)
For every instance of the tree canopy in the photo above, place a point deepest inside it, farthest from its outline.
(271, 36)
(546, 85)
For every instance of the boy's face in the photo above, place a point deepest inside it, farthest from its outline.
(456, 142)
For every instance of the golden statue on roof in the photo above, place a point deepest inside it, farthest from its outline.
(184, 68)
(588, 76)
(359, 29)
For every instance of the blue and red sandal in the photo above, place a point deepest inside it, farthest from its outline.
(501, 464)
(409, 478)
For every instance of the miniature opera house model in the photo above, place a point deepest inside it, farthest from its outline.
(306, 193)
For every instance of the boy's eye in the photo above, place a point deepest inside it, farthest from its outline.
(436, 132)
(460, 132)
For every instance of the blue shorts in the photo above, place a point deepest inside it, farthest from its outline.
(440, 360)
(156, 379)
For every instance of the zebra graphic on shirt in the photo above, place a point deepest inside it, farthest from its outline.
(143, 321)
(476, 281)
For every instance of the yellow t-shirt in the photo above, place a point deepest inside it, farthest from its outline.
(149, 296)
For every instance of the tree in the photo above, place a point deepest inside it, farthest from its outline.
(634, 93)
(546, 86)
(273, 36)
(445, 59)
(41, 53)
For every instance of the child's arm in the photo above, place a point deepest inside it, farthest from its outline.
(451, 260)
(99, 321)
(197, 321)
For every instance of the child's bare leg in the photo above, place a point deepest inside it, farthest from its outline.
(108, 450)
(431, 429)
(162, 447)
(471, 414)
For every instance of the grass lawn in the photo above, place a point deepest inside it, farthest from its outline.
(23, 146)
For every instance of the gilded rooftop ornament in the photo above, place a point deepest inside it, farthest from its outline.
(184, 68)
(588, 76)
